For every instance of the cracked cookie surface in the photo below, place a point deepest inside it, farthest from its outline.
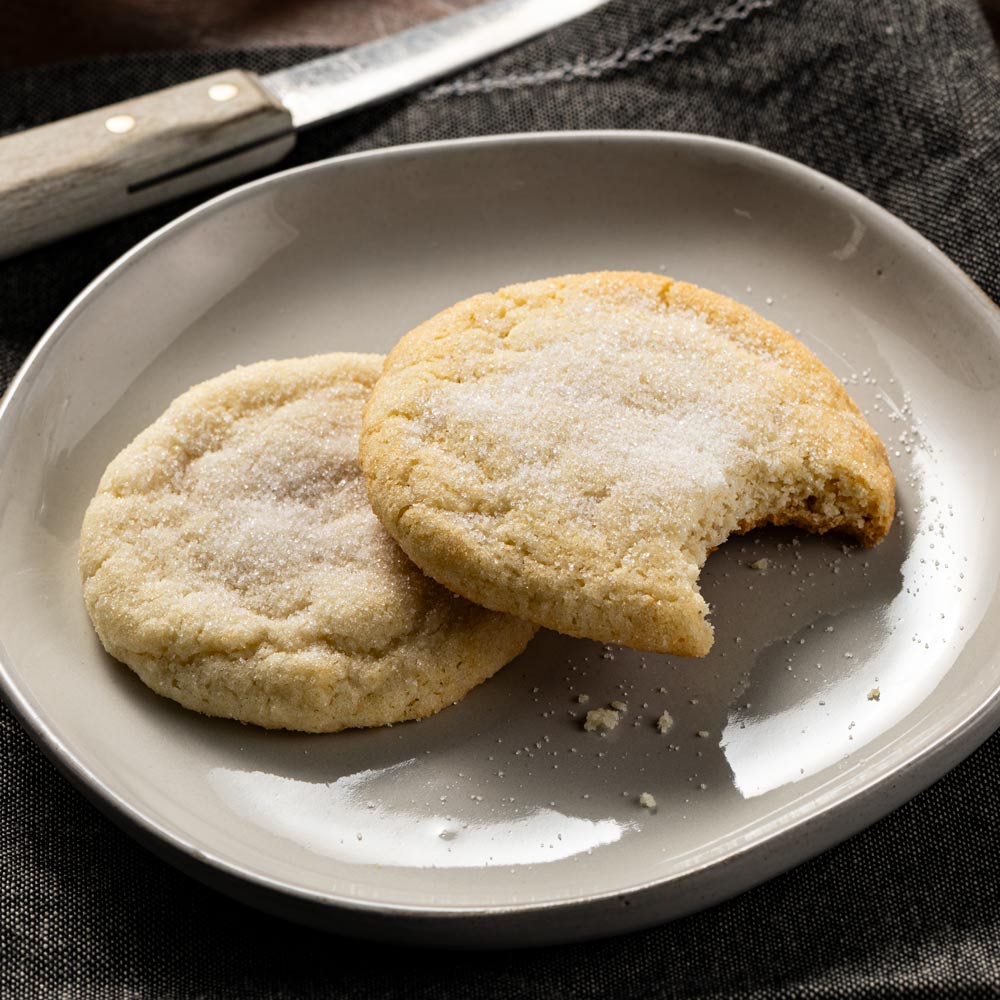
(231, 558)
(570, 450)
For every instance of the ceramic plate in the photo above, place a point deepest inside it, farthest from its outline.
(841, 682)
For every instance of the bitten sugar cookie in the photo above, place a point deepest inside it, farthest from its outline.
(231, 559)
(570, 450)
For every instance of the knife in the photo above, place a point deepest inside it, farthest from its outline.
(63, 177)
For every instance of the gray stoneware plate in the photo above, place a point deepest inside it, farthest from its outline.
(500, 821)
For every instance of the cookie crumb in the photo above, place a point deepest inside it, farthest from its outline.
(761, 565)
(619, 706)
(665, 723)
(647, 801)
(583, 698)
(875, 694)
(704, 734)
(601, 720)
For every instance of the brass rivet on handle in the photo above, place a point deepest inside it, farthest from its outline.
(120, 123)
(223, 91)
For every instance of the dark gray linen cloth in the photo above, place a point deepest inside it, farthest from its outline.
(900, 100)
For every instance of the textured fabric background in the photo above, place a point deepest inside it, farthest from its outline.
(900, 100)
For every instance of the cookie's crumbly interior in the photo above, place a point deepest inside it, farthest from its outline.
(571, 450)
(232, 559)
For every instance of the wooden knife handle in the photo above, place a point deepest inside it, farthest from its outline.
(75, 173)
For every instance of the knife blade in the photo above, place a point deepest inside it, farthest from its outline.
(66, 176)
(323, 88)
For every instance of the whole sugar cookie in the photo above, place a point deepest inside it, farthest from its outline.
(231, 559)
(570, 451)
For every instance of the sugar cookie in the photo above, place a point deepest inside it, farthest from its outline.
(570, 450)
(231, 559)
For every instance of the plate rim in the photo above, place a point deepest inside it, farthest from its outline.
(909, 778)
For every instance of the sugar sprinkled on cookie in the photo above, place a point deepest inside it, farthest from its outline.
(231, 558)
(570, 450)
